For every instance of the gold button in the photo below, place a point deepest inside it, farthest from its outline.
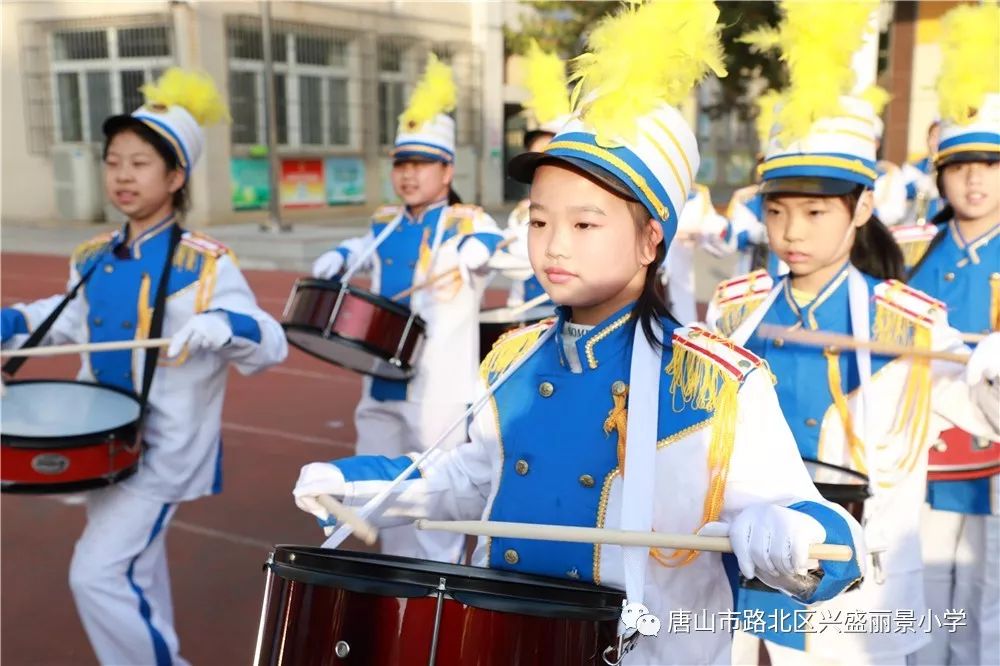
(940, 446)
(546, 389)
(831, 349)
(573, 573)
(743, 363)
(108, 268)
(413, 264)
(811, 422)
(778, 342)
(619, 387)
(126, 324)
(98, 321)
(949, 277)
(510, 556)
(587, 481)
(521, 467)
(388, 261)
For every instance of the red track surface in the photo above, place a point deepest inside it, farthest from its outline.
(273, 423)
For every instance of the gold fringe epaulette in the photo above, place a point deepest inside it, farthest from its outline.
(914, 240)
(84, 251)
(706, 372)
(463, 218)
(735, 299)
(386, 214)
(512, 346)
(907, 316)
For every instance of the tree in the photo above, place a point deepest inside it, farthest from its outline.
(563, 25)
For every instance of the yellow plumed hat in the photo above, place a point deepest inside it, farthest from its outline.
(425, 130)
(548, 91)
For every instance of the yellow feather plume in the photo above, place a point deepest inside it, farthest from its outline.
(877, 96)
(545, 79)
(434, 94)
(195, 91)
(818, 40)
(970, 66)
(641, 57)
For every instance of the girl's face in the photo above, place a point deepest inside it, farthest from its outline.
(584, 245)
(810, 233)
(420, 184)
(973, 190)
(136, 178)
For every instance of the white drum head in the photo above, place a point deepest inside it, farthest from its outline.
(506, 316)
(64, 409)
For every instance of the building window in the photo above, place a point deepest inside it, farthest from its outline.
(316, 85)
(394, 71)
(98, 72)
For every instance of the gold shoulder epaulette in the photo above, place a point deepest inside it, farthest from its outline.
(735, 299)
(904, 315)
(512, 346)
(89, 248)
(386, 213)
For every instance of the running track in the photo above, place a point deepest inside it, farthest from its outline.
(273, 423)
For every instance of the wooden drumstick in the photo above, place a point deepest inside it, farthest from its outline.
(839, 340)
(451, 272)
(89, 347)
(533, 303)
(362, 528)
(820, 551)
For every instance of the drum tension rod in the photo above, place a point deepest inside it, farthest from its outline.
(441, 589)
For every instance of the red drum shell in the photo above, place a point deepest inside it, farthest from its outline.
(958, 456)
(382, 610)
(71, 460)
(366, 332)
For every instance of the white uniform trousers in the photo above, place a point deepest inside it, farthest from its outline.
(120, 580)
(962, 573)
(680, 282)
(396, 427)
(786, 656)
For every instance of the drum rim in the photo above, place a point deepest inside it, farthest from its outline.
(855, 493)
(308, 557)
(70, 441)
(375, 299)
(522, 318)
(409, 369)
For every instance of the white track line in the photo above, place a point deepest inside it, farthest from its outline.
(282, 434)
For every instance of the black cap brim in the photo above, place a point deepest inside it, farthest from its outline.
(114, 123)
(522, 169)
(968, 156)
(824, 187)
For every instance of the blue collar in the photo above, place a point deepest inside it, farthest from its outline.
(614, 335)
(808, 313)
(158, 228)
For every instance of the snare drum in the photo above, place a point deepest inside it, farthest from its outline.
(66, 436)
(353, 328)
(958, 456)
(339, 607)
(494, 322)
(840, 485)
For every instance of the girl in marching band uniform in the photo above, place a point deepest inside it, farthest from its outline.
(426, 236)
(614, 415)
(119, 574)
(961, 526)
(871, 413)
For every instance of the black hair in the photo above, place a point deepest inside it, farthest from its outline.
(180, 197)
(650, 307)
(453, 197)
(531, 135)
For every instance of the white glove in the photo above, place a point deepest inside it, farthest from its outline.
(206, 331)
(982, 374)
(327, 265)
(770, 539)
(319, 479)
(473, 254)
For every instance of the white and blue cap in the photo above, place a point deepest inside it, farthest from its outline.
(977, 141)
(177, 105)
(657, 168)
(834, 157)
(432, 141)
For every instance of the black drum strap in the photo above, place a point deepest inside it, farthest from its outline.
(159, 311)
(11, 367)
